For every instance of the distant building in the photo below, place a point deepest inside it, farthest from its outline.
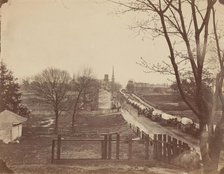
(113, 84)
(107, 84)
(148, 85)
(130, 86)
(106, 78)
(142, 85)
(144, 88)
(10, 126)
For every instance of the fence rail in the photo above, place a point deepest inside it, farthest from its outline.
(164, 147)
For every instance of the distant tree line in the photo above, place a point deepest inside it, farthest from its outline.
(63, 93)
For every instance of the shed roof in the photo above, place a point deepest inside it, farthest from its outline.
(7, 116)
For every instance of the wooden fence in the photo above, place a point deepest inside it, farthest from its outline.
(165, 147)
(139, 132)
(105, 146)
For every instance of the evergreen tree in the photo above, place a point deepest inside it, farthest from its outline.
(10, 96)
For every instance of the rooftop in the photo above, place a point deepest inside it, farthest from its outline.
(7, 116)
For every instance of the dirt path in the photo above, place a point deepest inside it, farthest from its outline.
(104, 99)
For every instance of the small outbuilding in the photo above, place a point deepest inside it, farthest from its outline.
(10, 126)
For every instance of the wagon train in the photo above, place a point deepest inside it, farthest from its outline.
(184, 124)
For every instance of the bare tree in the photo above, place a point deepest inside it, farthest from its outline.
(188, 24)
(53, 85)
(83, 85)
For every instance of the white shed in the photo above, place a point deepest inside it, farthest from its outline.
(10, 126)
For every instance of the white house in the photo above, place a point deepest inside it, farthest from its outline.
(10, 126)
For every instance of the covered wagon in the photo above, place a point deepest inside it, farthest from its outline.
(169, 120)
(187, 125)
(156, 115)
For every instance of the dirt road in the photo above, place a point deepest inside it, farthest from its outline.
(104, 99)
(151, 128)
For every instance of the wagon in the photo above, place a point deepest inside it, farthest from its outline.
(168, 120)
(156, 115)
(148, 112)
(186, 125)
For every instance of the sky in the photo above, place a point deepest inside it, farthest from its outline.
(73, 34)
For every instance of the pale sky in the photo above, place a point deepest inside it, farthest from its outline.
(71, 34)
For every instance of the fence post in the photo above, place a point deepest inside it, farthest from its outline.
(59, 147)
(105, 144)
(169, 147)
(146, 138)
(52, 152)
(185, 146)
(138, 131)
(117, 146)
(130, 149)
(160, 146)
(109, 145)
(155, 147)
(174, 147)
(180, 147)
(103, 149)
(164, 148)
(143, 135)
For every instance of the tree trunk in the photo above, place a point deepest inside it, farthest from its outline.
(210, 147)
(75, 109)
(215, 149)
(73, 119)
(56, 121)
(204, 147)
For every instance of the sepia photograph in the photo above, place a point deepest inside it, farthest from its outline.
(112, 86)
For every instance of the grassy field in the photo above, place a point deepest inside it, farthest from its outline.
(166, 101)
(172, 104)
(33, 152)
(137, 168)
